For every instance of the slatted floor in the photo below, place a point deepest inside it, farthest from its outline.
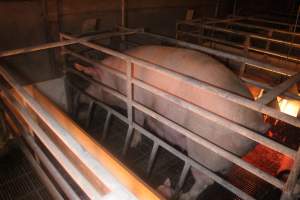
(18, 181)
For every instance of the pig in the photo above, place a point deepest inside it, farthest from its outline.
(197, 66)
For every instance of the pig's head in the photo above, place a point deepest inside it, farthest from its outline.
(96, 74)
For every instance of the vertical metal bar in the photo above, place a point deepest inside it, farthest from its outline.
(129, 106)
(106, 124)
(246, 52)
(127, 140)
(217, 9)
(234, 8)
(74, 105)
(123, 20)
(270, 34)
(183, 176)
(152, 158)
(123, 17)
(292, 179)
(177, 30)
(69, 105)
(89, 114)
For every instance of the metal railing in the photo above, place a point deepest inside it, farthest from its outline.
(206, 30)
(102, 184)
(287, 187)
(132, 104)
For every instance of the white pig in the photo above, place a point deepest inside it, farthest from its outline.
(197, 66)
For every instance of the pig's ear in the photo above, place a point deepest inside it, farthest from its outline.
(167, 182)
(88, 70)
(80, 67)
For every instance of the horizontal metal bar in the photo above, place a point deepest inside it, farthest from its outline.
(137, 188)
(55, 151)
(268, 87)
(61, 43)
(97, 101)
(96, 64)
(271, 22)
(175, 152)
(202, 85)
(278, 90)
(65, 187)
(214, 148)
(251, 35)
(195, 164)
(79, 151)
(219, 120)
(228, 20)
(101, 85)
(218, 53)
(213, 117)
(260, 50)
(239, 21)
(265, 28)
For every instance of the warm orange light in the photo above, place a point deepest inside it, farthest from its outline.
(290, 107)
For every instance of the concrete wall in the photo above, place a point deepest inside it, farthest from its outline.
(31, 22)
(22, 24)
(156, 15)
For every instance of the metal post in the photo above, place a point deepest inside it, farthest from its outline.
(217, 9)
(129, 106)
(123, 12)
(292, 179)
(89, 114)
(106, 124)
(246, 53)
(152, 158)
(234, 8)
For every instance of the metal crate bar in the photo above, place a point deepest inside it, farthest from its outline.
(214, 90)
(258, 64)
(20, 129)
(56, 152)
(246, 35)
(92, 155)
(278, 90)
(240, 21)
(161, 143)
(131, 60)
(200, 84)
(50, 186)
(62, 43)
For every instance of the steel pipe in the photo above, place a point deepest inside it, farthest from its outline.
(174, 151)
(218, 53)
(219, 120)
(55, 151)
(61, 43)
(92, 164)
